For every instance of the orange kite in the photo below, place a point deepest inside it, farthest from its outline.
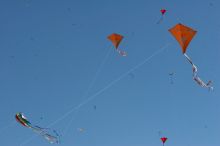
(184, 35)
(116, 40)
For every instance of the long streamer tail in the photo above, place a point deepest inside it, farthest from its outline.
(195, 75)
(189, 59)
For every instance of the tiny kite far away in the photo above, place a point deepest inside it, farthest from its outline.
(162, 11)
(184, 35)
(116, 40)
(163, 139)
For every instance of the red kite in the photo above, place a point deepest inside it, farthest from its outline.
(162, 11)
(116, 40)
(163, 139)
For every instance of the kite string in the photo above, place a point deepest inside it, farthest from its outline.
(160, 20)
(110, 84)
(84, 95)
(101, 90)
(120, 77)
(91, 85)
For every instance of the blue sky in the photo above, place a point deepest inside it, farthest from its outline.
(53, 51)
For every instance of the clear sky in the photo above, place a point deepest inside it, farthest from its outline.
(56, 64)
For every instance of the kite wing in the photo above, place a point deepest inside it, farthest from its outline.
(115, 39)
(183, 35)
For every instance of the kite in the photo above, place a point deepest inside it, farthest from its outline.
(81, 130)
(171, 77)
(184, 34)
(163, 139)
(116, 39)
(162, 11)
(50, 135)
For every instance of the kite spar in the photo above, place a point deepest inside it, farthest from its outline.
(184, 35)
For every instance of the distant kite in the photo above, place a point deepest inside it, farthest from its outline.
(171, 77)
(163, 139)
(81, 129)
(184, 35)
(50, 135)
(116, 40)
(162, 11)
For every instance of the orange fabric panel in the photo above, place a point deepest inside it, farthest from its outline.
(115, 39)
(183, 35)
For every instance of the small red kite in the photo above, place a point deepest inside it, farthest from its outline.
(162, 11)
(163, 139)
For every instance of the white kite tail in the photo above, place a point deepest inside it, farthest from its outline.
(122, 53)
(194, 68)
(187, 57)
(49, 134)
(209, 85)
(203, 84)
(195, 75)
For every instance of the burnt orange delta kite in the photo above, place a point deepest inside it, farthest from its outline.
(184, 35)
(116, 40)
